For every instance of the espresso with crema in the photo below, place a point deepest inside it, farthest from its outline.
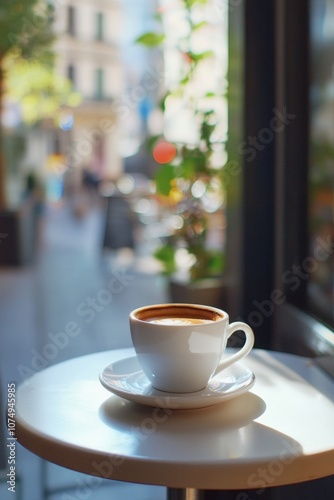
(179, 321)
(175, 315)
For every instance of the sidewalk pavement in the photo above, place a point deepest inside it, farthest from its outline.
(73, 282)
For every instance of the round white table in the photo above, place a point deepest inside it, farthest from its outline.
(280, 432)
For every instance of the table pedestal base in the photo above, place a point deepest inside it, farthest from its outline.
(185, 494)
(193, 494)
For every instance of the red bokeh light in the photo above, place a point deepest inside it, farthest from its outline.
(164, 152)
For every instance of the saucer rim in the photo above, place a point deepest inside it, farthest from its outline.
(189, 400)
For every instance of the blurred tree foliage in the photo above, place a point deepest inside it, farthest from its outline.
(39, 90)
(25, 29)
(26, 65)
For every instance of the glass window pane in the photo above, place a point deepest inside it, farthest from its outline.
(321, 174)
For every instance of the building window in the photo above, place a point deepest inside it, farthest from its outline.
(71, 20)
(99, 84)
(99, 26)
(71, 73)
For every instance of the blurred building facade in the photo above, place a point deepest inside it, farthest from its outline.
(88, 50)
(88, 53)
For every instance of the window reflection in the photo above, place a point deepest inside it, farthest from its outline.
(321, 174)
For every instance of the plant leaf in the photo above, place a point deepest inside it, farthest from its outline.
(200, 55)
(199, 25)
(151, 142)
(190, 3)
(163, 179)
(166, 255)
(216, 263)
(150, 39)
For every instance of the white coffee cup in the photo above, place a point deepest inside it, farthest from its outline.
(181, 346)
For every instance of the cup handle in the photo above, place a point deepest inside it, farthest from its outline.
(247, 347)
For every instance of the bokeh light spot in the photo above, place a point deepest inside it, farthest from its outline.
(164, 152)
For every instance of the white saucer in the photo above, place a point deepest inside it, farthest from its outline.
(125, 378)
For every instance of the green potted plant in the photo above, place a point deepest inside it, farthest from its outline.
(189, 181)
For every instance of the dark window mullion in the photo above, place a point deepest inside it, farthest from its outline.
(259, 168)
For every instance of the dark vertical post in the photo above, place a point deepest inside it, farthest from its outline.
(262, 120)
(295, 204)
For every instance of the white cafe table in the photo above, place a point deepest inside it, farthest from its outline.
(279, 432)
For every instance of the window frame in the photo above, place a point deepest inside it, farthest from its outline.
(296, 328)
(274, 199)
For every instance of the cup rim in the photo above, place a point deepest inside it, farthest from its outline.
(217, 314)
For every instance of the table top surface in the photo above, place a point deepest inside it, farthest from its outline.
(280, 432)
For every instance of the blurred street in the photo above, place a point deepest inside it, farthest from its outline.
(68, 284)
